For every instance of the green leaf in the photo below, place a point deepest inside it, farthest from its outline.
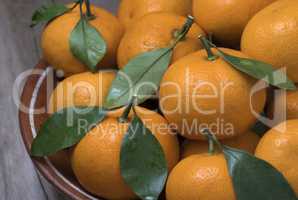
(65, 128)
(142, 161)
(87, 44)
(256, 179)
(47, 13)
(259, 70)
(140, 77)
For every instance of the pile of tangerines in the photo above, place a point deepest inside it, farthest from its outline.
(199, 90)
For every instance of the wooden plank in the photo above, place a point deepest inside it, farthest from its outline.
(18, 52)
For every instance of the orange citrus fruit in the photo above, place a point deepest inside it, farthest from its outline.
(247, 142)
(96, 158)
(284, 103)
(83, 89)
(201, 176)
(271, 36)
(196, 93)
(56, 35)
(279, 147)
(226, 20)
(154, 31)
(131, 10)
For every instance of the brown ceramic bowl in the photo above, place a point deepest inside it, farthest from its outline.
(33, 98)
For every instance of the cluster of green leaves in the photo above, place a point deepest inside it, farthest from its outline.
(86, 42)
(252, 177)
(142, 160)
(143, 163)
(142, 75)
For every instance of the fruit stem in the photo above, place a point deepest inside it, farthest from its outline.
(88, 9)
(180, 34)
(210, 37)
(212, 140)
(207, 47)
(124, 117)
(211, 149)
(81, 8)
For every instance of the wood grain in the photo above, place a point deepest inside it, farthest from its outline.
(19, 51)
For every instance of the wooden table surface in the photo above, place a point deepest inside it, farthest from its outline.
(19, 51)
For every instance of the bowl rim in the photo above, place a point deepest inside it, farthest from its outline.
(28, 131)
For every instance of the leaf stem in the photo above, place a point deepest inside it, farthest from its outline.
(180, 35)
(212, 140)
(206, 44)
(124, 117)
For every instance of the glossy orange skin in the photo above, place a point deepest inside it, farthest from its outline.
(55, 40)
(226, 20)
(95, 160)
(247, 142)
(83, 89)
(200, 177)
(196, 91)
(292, 105)
(279, 147)
(131, 10)
(154, 31)
(271, 36)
